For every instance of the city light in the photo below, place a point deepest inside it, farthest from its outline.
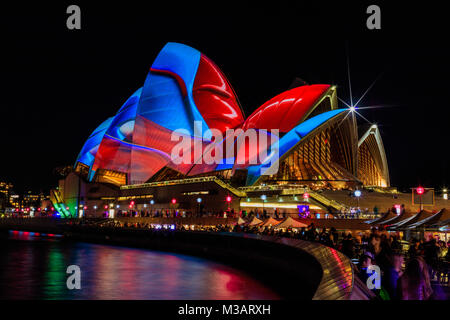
(152, 202)
(306, 196)
(174, 201)
(420, 190)
(228, 199)
(263, 197)
(357, 193)
(199, 200)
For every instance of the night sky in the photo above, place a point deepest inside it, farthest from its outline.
(57, 84)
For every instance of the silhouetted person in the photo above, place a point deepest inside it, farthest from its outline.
(415, 284)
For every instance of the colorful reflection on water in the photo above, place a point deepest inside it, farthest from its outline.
(33, 266)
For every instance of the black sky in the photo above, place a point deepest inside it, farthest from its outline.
(57, 84)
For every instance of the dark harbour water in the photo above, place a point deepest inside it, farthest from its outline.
(33, 266)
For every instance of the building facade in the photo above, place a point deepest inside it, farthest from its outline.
(298, 140)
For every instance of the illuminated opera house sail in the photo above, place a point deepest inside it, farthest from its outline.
(319, 144)
(308, 140)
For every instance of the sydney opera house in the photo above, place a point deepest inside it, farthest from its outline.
(127, 160)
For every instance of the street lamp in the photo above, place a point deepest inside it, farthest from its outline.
(174, 201)
(152, 202)
(420, 191)
(357, 194)
(228, 201)
(263, 198)
(199, 200)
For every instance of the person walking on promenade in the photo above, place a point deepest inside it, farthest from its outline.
(367, 259)
(415, 284)
(348, 246)
(392, 274)
(414, 249)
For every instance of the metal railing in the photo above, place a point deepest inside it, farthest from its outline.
(295, 189)
(186, 181)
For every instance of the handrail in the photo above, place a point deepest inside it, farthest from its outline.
(339, 281)
(295, 189)
(324, 200)
(168, 182)
(186, 181)
(230, 188)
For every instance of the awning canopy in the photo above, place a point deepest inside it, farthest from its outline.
(441, 216)
(291, 223)
(255, 221)
(442, 225)
(270, 222)
(423, 214)
(387, 216)
(401, 217)
(445, 228)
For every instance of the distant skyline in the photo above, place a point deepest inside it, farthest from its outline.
(58, 85)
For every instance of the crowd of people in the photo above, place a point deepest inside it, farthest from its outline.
(173, 213)
(406, 275)
(344, 213)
